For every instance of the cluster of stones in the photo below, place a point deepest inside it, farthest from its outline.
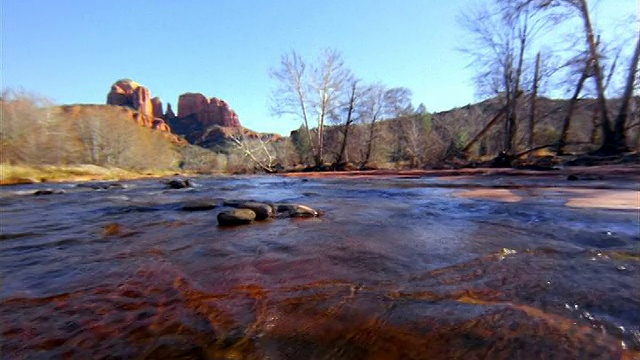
(242, 212)
(235, 212)
(246, 212)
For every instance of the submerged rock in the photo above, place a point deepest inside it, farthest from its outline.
(263, 211)
(235, 202)
(296, 210)
(48, 192)
(587, 177)
(101, 186)
(236, 217)
(199, 205)
(179, 184)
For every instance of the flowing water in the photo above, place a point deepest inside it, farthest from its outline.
(395, 269)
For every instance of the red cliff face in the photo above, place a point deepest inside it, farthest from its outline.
(156, 104)
(208, 112)
(201, 120)
(130, 93)
(143, 109)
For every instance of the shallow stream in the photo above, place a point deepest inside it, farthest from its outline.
(395, 269)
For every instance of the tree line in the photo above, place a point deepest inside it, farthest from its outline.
(326, 93)
(516, 60)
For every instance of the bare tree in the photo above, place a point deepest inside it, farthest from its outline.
(380, 103)
(613, 136)
(623, 113)
(292, 94)
(502, 37)
(310, 94)
(330, 76)
(257, 150)
(534, 98)
(349, 120)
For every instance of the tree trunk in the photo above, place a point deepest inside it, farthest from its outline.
(623, 113)
(508, 77)
(608, 143)
(567, 119)
(352, 101)
(514, 102)
(301, 100)
(367, 155)
(486, 128)
(534, 98)
(596, 125)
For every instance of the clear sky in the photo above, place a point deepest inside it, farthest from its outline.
(72, 51)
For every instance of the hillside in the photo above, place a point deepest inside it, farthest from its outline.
(427, 140)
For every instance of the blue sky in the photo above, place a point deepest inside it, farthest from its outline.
(72, 51)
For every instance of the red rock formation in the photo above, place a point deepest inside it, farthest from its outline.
(156, 104)
(207, 111)
(191, 103)
(160, 125)
(130, 93)
(169, 115)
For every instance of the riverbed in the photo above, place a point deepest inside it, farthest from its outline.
(423, 267)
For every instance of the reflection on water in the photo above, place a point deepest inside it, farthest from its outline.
(397, 269)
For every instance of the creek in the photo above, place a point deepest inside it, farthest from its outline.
(468, 267)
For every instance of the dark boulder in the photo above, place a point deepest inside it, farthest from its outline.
(179, 184)
(263, 211)
(48, 192)
(236, 217)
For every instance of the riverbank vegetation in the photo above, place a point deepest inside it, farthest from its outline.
(520, 66)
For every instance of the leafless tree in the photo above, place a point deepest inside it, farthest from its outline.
(348, 113)
(503, 35)
(534, 98)
(312, 93)
(257, 150)
(623, 112)
(613, 134)
(379, 103)
(329, 80)
(292, 93)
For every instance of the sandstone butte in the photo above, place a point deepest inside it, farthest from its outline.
(148, 111)
(202, 121)
(156, 105)
(207, 112)
(169, 115)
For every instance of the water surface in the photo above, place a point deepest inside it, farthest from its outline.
(396, 268)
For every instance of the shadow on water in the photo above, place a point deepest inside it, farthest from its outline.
(396, 268)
